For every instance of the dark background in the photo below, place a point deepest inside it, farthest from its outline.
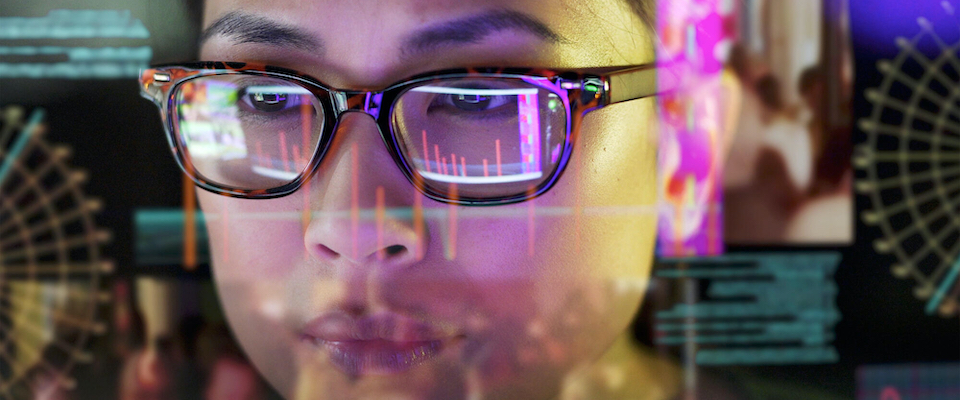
(117, 137)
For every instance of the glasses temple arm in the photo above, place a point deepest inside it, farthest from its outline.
(640, 82)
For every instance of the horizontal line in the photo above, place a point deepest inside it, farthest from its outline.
(278, 89)
(152, 218)
(83, 53)
(482, 179)
(489, 92)
(79, 32)
(274, 173)
(768, 356)
(101, 70)
(820, 337)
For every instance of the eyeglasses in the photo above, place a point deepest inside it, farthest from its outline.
(478, 136)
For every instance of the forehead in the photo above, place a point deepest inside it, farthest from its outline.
(370, 35)
(321, 13)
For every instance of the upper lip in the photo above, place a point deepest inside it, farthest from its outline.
(387, 326)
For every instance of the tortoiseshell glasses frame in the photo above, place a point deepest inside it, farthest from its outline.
(581, 91)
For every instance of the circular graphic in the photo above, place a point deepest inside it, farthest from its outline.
(50, 264)
(911, 161)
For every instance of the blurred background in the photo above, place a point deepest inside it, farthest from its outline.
(835, 210)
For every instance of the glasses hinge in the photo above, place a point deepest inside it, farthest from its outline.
(593, 85)
(340, 101)
(590, 84)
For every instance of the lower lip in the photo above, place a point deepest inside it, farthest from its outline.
(379, 357)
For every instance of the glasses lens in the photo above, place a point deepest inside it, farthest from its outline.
(247, 132)
(481, 138)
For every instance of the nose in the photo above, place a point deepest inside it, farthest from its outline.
(363, 210)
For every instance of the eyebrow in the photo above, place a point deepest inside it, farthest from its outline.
(475, 28)
(242, 27)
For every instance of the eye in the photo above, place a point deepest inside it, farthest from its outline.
(272, 99)
(472, 104)
(267, 101)
(466, 99)
(475, 102)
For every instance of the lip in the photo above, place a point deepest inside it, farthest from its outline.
(379, 344)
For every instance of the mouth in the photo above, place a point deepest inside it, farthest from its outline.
(383, 344)
(379, 357)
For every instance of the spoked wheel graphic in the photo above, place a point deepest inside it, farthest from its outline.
(51, 269)
(911, 166)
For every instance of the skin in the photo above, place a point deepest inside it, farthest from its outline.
(540, 305)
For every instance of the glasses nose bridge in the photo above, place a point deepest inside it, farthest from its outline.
(357, 101)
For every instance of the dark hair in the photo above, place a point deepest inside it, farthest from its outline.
(646, 11)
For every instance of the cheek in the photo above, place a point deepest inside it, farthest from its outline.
(585, 247)
(254, 246)
(608, 196)
(604, 250)
(253, 240)
(254, 314)
(619, 155)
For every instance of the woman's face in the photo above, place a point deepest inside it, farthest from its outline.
(337, 292)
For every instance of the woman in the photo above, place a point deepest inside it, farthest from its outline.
(423, 251)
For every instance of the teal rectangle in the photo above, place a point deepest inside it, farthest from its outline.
(159, 237)
(768, 356)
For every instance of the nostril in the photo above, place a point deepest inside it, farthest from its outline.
(327, 252)
(395, 250)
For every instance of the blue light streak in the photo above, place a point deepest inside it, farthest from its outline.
(942, 290)
(20, 143)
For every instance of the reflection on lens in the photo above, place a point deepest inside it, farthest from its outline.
(489, 137)
(247, 132)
